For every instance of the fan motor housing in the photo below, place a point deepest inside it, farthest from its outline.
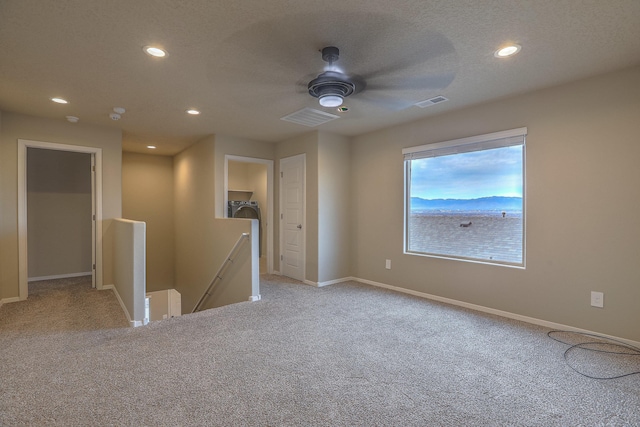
(331, 83)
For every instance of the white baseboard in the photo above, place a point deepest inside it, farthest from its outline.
(329, 282)
(254, 298)
(527, 319)
(59, 276)
(320, 284)
(132, 323)
(9, 300)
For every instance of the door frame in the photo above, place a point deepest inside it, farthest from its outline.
(23, 145)
(302, 157)
(269, 165)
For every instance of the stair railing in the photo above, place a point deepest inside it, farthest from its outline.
(223, 267)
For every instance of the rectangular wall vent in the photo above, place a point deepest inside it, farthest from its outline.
(309, 117)
(432, 101)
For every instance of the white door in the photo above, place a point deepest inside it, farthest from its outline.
(292, 227)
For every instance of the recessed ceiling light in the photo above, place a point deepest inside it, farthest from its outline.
(193, 112)
(152, 147)
(60, 100)
(507, 51)
(155, 51)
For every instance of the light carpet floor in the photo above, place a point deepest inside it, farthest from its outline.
(342, 355)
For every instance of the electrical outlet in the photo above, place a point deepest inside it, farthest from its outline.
(597, 299)
(387, 264)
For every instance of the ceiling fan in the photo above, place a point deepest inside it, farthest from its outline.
(376, 64)
(332, 87)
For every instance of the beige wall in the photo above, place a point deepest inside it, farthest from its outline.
(17, 126)
(202, 241)
(59, 212)
(582, 203)
(334, 216)
(147, 195)
(239, 178)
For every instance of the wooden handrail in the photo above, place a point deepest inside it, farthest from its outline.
(218, 275)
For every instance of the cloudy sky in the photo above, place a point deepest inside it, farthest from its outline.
(496, 172)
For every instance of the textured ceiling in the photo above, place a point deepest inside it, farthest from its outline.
(245, 64)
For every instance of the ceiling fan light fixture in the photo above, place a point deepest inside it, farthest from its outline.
(330, 100)
(331, 87)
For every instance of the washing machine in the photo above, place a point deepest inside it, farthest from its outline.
(246, 209)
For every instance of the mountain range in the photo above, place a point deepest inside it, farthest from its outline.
(493, 203)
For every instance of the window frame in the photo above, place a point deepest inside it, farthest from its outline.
(502, 139)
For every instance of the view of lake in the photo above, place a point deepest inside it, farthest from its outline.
(478, 234)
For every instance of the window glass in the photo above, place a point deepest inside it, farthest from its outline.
(467, 202)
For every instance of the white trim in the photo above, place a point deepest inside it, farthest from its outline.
(23, 144)
(509, 315)
(132, 323)
(9, 300)
(468, 140)
(254, 298)
(93, 219)
(59, 276)
(329, 282)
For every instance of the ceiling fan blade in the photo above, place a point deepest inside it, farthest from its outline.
(435, 51)
(379, 41)
(413, 83)
(294, 42)
(302, 85)
(379, 53)
(382, 100)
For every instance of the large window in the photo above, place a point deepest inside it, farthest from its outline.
(465, 198)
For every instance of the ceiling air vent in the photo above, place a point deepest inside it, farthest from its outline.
(309, 117)
(432, 101)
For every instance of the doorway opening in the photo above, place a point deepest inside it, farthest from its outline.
(38, 192)
(248, 193)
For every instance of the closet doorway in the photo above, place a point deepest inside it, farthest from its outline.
(59, 212)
